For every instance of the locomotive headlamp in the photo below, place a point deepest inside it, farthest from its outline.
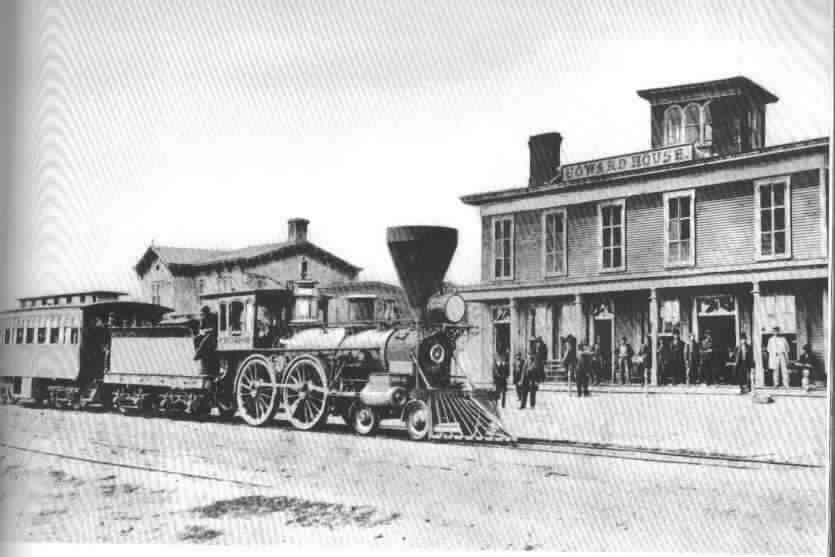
(449, 308)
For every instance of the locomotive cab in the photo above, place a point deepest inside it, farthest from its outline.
(254, 319)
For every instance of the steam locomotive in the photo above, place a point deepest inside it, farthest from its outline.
(266, 352)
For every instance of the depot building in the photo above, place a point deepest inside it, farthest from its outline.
(709, 229)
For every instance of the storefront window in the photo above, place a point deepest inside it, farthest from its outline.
(670, 316)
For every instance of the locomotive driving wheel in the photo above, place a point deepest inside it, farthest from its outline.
(306, 393)
(256, 391)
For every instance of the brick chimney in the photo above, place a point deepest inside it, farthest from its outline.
(545, 158)
(297, 230)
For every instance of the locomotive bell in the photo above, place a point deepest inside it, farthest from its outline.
(421, 256)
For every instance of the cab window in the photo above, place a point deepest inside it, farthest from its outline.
(236, 316)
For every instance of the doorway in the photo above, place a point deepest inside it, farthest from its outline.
(723, 332)
(603, 336)
(501, 339)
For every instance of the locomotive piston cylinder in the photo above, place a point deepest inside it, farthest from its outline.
(390, 396)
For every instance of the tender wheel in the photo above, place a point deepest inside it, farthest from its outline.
(364, 419)
(306, 393)
(256, 391)
(418, 421)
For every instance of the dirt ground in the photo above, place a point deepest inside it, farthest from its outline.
(86, 477)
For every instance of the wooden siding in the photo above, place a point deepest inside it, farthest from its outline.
(725, 225)
(806, 215)
(724, 232)
(644, 233)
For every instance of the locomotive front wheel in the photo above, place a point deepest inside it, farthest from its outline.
(364, 419)
(306, 393)
(256, 391)
(418, 421)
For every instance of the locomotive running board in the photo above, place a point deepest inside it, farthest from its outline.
(461, 416)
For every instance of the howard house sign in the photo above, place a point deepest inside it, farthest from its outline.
(625, 163)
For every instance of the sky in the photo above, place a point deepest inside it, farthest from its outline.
(211, 123)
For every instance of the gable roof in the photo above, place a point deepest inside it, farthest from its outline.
(192, 259)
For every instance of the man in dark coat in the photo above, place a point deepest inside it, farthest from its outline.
(675, 358)
(707, 359)
(205, 341)
(691, 358)
(569, 359)
(584, 369)
(501, 372)
(743, 363)
(518, 367)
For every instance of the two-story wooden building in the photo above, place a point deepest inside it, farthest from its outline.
(177, 277)
(710, 229)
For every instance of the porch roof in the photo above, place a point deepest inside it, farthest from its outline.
(761, 272)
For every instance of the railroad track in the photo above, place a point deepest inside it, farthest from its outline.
(395, 432)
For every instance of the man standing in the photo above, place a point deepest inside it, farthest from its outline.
(541, 354)
(743, 363)
(624, 354)
(706, 359)
(518, 368)
(778, 358)
(596, 363)
(569, 359)
(691, 358)
(205, 342)
(528, 382)
(584, 366)
(501, 371)
(675, 363)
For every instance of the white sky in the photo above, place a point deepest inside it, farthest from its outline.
(209, 124)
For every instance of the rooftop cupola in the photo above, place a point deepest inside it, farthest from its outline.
(720, 117)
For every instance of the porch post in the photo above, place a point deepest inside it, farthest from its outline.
(580, 319)
(653, 334)
(514, 326)
(757, 338)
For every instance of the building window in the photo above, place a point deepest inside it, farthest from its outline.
(503, 248)
(707, 124)
(773, 202)
(53, 335)
(18, 335)
(201, 286)
(303, 270)
(679, 232)
(692, 123)
(30, 335)
(672, 125)
(68, 299)
(41, 335)
(755, 124)
(156, 288)
(7, 336)
(555, 242)
(82, 298)
(612, 229)
(74, 335)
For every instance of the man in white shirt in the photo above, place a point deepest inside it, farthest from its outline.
(778, 358)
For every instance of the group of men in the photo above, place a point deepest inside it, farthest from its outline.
(679, 362)
(527, 373)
